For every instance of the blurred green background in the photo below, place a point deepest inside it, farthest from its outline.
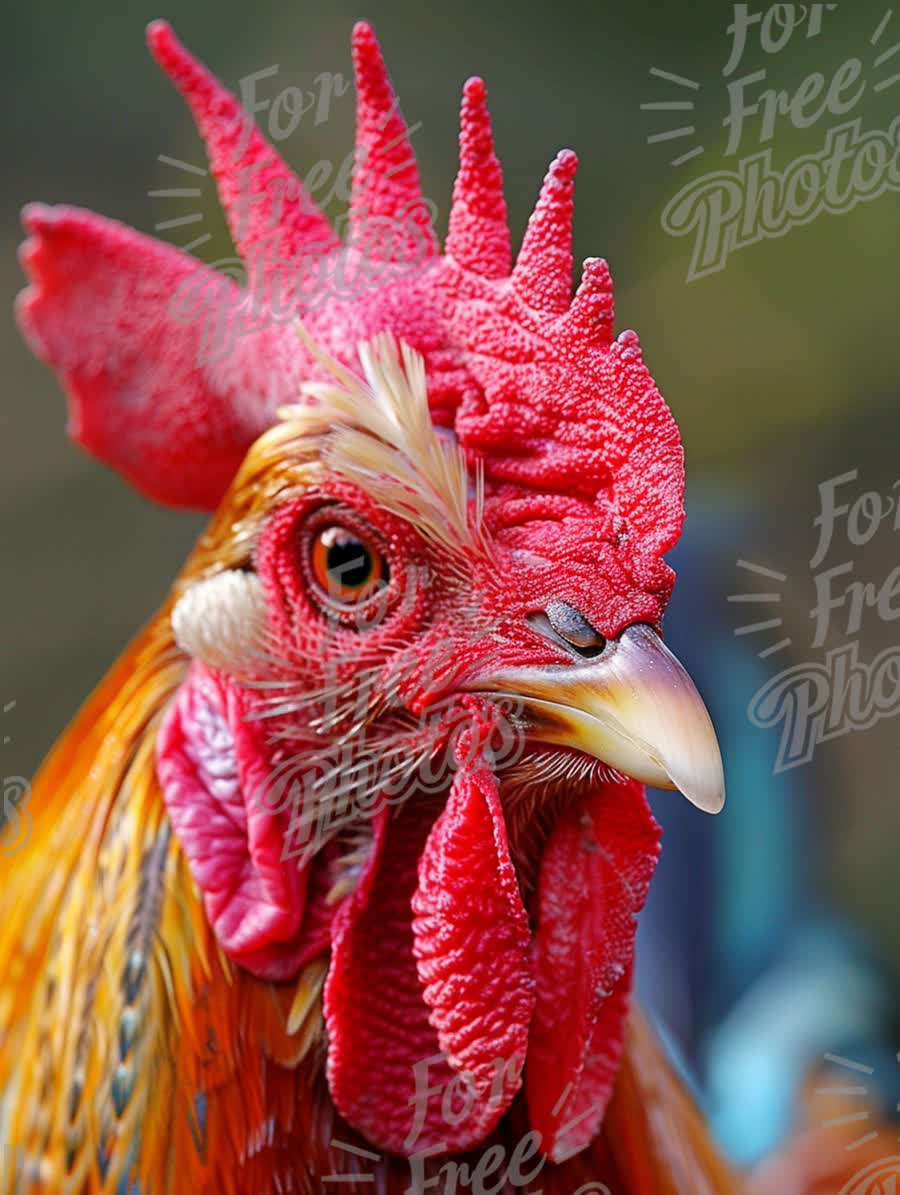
(782, 369)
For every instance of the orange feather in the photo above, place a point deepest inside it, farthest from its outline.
(131, 1047)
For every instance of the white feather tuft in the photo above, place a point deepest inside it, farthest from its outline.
(222, 622)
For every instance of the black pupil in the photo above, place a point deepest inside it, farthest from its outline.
(349, 564)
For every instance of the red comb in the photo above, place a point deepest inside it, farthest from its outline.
(478, 237)
(542, 276)
(255, 185)
(533, 380)
(385, 175)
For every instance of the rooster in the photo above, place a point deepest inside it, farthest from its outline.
(335, 877)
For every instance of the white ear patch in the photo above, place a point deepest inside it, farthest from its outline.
(222, 621)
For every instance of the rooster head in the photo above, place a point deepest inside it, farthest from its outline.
(424, 677)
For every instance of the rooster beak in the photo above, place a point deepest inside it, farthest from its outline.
(634, 707)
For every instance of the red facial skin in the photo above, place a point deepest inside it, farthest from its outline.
(465, 917)
(480, 927)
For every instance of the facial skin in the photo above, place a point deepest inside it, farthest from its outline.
(382, 675)
(409, 628)
(398, 607)
(382, 641)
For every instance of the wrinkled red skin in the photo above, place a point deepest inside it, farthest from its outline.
(462, 948)
(442, 948)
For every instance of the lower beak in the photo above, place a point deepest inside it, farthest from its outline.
(634, 707)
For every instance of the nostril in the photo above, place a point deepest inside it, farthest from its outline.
(573, 628)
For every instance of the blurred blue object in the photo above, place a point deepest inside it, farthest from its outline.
(748, 976)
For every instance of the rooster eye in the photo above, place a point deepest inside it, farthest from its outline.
(347, 567)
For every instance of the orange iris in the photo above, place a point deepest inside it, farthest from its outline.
(347, 567)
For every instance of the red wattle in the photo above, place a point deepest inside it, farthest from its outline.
(593, 881)
(472, 942)
(429, 994)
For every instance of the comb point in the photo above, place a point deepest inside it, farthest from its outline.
(259, 193)
(542, 277)
(591, 316)
(478, 236)
(385, 176)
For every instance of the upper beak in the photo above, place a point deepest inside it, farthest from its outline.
(634, 707)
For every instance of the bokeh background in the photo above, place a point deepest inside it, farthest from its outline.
(783, 370)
